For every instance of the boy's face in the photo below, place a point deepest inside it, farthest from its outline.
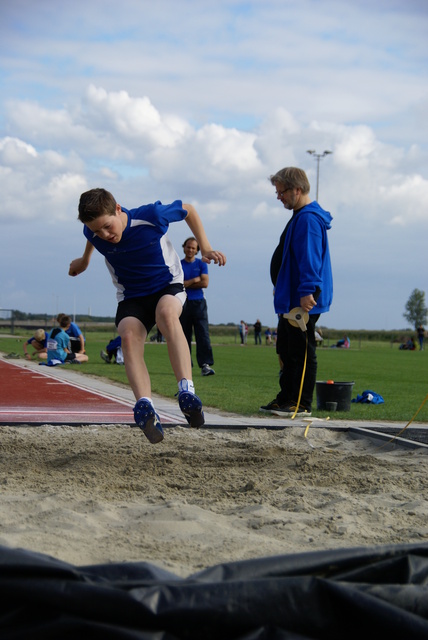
(109, 227)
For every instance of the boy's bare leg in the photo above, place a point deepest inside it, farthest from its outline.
(168, 313)
(133, 334)
(81, 357)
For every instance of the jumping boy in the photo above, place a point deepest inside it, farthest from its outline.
(148, 276)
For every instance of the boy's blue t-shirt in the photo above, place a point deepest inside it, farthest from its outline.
(143, 261)
(194, 270)
(73, 330)
(58, 342)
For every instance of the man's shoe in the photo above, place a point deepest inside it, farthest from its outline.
(191, 406)
(148, 421)
(206, 370)
(288, 411)
(104, 356)
(269, 408)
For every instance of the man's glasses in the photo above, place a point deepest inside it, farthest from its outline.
(279, 194)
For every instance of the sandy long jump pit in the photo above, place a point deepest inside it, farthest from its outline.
(95, 494)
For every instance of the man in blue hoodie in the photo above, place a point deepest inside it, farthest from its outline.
(301, 275)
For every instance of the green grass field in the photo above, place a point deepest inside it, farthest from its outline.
(247, 377)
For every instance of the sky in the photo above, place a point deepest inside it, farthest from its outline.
(203, 101)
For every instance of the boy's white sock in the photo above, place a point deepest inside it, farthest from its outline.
(148, 400)
(186, 385)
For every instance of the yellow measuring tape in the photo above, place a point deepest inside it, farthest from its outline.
(407, 425)
(302, 380)
(299, 318)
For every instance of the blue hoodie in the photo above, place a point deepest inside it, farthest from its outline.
(305, 261)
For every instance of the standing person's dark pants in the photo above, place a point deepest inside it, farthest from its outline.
(195, 316)
(291, 348)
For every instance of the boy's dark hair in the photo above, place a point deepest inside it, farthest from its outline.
(96, 203)
(188, 239)
(65, 321)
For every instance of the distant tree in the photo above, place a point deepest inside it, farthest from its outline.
(19, 315)
(416, 311)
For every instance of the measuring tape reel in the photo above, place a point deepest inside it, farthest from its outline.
(297, 318)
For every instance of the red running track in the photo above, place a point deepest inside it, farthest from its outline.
(29, 397)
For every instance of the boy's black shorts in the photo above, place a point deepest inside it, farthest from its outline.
(75, 345)
(144, 307)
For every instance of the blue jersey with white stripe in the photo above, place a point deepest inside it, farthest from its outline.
(143, 261)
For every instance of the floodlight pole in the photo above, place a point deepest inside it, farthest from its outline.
(318, 157)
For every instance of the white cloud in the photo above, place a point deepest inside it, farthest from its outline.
(204, 104)
(133, 119)
(15, 152)
(262, 211)
(227, 148)
(407, 196)
(60, 191)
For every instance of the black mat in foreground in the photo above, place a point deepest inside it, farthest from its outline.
(347, 593)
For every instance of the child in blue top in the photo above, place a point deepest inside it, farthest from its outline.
(113, 350)
(148, 277)
(58, 345)
(39, 344)
(77, 339)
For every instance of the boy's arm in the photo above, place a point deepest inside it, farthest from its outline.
(81, 264)
(197, 228)
(27, 355)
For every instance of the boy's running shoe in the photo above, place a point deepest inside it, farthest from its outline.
(191, 406)
(104, 356)
(148, 421)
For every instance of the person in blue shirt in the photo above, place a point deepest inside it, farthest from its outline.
(58, 345)
(39, 344)
(77, 339)
(148, 277)
(195, 311)
(113, 350)
(302, 278)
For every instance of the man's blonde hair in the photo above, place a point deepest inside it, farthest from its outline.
(292, 178)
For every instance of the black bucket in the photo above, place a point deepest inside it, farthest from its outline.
(340, 392)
